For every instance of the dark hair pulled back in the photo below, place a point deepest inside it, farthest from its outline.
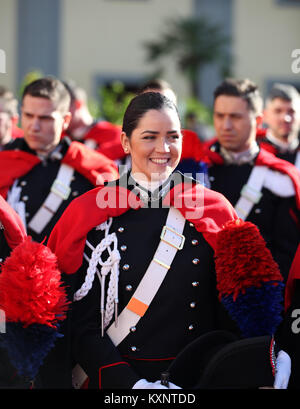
(140, 105)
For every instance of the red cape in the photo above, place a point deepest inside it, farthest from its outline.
(92, 165)
(107, 137)
(268, 147)
(264, 158)
(17, 132)
(294, 274)
(68, 237)
(192, 147)
(263, 143)
(260, 134)
(14, 230)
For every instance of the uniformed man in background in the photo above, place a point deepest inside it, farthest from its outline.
(41, 174)
(282, 118)
(8, 117)
(263, 188)
(101, 135)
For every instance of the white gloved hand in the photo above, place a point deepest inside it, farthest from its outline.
(283, 370)
(143, 384)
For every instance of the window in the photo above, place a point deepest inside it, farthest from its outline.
(288, 2)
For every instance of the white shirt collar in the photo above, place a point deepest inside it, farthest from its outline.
(151, 186)
(239, 158)
(282, 145)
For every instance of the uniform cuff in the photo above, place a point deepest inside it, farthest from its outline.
(118, 375)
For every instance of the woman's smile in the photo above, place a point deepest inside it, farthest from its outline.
(155, 144)
(160, 161)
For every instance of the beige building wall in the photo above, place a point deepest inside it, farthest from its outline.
(101, 37)
(8, 35)
(264, 35)
(105, 38)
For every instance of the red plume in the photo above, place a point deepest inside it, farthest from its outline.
(30, 286)
(242, 259)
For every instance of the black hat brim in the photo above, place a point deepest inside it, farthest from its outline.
(218, 360)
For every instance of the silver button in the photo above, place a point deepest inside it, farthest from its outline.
(196, 261)
(257, 211)
(193, 304)
(1, 259)
(195, 242)
(191, 327)
(123, 247)
(195, 283)
(125, 267)
(128, 287)
(23, 183)
(25, 198)
(211, 178)
(120, 229)
(192, 224)
(75, 193)
(133, 348)
(132, 329)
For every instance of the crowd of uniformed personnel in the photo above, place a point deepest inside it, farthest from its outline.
(54, 151)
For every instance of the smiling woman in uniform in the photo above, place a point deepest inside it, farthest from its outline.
(151, 262)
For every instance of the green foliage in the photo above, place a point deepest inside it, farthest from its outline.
(202, 112)
(94, 108)
(113, 102)
(192, 42)
(29, 77)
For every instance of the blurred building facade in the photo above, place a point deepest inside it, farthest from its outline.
(95, 42)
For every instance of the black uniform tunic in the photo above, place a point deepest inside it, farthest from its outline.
(185, 306)
(36, 184)
(289, 155)
(288, 334)
(273, 215)
(4, 247)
